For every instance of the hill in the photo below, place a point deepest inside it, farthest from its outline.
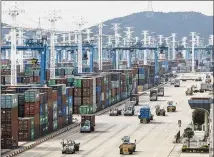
(181, 23)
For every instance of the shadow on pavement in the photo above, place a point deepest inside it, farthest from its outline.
(154, 122)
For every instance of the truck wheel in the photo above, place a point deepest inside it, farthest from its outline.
(163, 114)
(141, 121)
(131, 152)
(121, 151)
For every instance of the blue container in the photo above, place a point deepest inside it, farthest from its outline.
(59, 100)
(41, 108)
(63, 110)
(145, 112)
(59, 111)
(141, 71)
(70, 101)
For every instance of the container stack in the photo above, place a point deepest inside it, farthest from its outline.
(21, 105)
(9, 121)
(77, 94)
(88, 105)
(26, 129)
(52, 111)
(61, 102)
(141, 78)
(43, 114)
(32, 108)
(115, 87)
(69, 104)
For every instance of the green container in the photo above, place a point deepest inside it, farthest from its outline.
(70, 79)
(86, 109)
(42, 119)
(32, 136)
(52, 82)
(68, 71)
(11, 100)
(78, 83)
(46, 118)
(55, 126)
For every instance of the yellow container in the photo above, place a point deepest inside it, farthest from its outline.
(140, 89)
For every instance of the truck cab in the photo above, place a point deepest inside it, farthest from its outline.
(135, 97)
(177, 83)
(153, 95)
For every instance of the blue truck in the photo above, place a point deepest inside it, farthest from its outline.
(145, 114)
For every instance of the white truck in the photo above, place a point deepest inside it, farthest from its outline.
(129, 108)
(206, 87)
(177, 83)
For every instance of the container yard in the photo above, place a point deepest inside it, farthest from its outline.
(80, 91)
(38, 111)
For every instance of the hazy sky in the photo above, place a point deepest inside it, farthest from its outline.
(95, 11)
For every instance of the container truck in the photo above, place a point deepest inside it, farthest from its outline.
(135, 97)
(87, 123)
(127, 147)
(70, 147)
(153, 95)
(206, 87)
(145, 114)
(115, 112)
(129, 108)
(160, 91)
(177, 83)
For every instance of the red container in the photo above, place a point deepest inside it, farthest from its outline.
(54, 95)
(61, 122)
(87, 100)
(27, 108)
(77, 101)
(77, 92)
(86, 92)
(63, 99)
(9, 126)
(87, 82)
(70, 91)
(25, 128)
(50, 115)
(90, 117)
(34, 108)
(75, 109)
(50, 104)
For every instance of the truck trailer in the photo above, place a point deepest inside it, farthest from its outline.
(87, 123)
(145, 115)
(153, 95)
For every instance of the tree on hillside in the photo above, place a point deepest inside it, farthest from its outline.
(188, 133)
(198, 116)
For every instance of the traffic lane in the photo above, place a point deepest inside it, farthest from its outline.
(53, 146)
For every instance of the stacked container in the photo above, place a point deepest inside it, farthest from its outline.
(88, 105)
(43, 114)
(26, 129)
(77, 94)
(69, 104)
(9, 121)
(32, 108)
(21, 105)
